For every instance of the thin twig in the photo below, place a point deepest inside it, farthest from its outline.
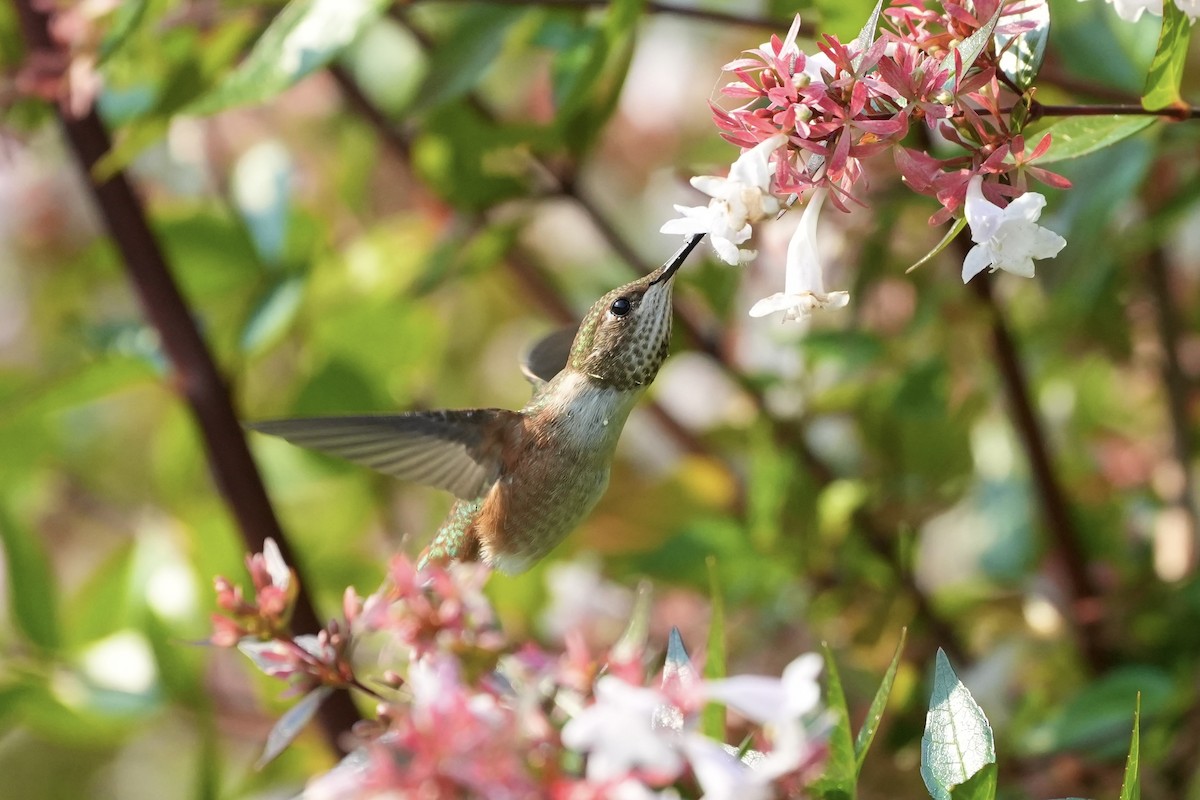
(196, 376)
(1040, 110)
(1068, 550)
(700, 14)
(1176, 385)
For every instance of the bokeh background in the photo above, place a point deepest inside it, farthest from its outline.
(1004, 468)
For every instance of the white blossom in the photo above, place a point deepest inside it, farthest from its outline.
(721, 775)
(803, 282)
(1006, 238)
(738, 201)
(618, 734)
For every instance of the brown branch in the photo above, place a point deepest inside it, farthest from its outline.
(1176, 385)
(196, 376)
(1067, 548)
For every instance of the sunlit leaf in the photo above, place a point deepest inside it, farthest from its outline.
(292, 723)
(304, 37)
(1021, 55)
(1130, 785)
(464, 53)
(955, 229)
(32, 598)
(1078, 136)
(272, 314)
(128, 17)
(840, 777)
(866, 734)
(866, 37)
(958, 739)
(261, 186)
(713, 720)
(1166, 69)
(980, 786)
(970, 49)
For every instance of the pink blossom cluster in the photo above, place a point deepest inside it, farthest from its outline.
(808, 121)
(464, 710)
(844, 104)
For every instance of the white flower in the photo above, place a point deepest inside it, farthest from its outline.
(277, 568)
(1132, 10)
(777, 702)
(618, 734)
(803, 283)
(1006, 238)
(720, 774)
(738, 201)
(1189, 7)
(765, 699)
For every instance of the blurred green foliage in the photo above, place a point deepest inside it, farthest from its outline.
(337, 265)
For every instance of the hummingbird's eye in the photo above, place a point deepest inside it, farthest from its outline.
(620, 307)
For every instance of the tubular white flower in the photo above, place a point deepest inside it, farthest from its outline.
(738, 201)
(803, 282)
(1006, 238)
(618, 734)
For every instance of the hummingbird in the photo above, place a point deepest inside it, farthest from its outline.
(523, 479)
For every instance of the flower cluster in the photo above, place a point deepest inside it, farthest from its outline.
(807, 122)
(465, 711)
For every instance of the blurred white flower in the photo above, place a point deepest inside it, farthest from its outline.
(1006, 238)
(779, 703)
(803, 282)
(581, 599)
(738, 201)
(764, 699)
(721, 775)
(618, 734)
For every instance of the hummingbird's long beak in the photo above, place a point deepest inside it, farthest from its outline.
(668, 270)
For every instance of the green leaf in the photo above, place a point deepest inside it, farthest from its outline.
(272, 314)
(841, 769)
(31, 585)
(866, 734)
(1095, 719)
(475, 162)
(980, 786)
(261, 186)
(128, 17)
(1021, 55)
(970, 48)
(712, 722)
(292, 723)
(464, 54)
(957, 227)
(843, 18)
(958, 739)
(1130, 787)
(866, 37)
(583, 115)
(1166, 68)
(304, 37)
(1077, 136)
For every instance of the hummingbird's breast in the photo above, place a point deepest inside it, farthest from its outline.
(556, 475)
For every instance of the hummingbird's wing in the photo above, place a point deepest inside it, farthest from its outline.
(548, 356)
(458, 451)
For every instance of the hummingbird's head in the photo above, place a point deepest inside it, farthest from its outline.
(624, 339)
